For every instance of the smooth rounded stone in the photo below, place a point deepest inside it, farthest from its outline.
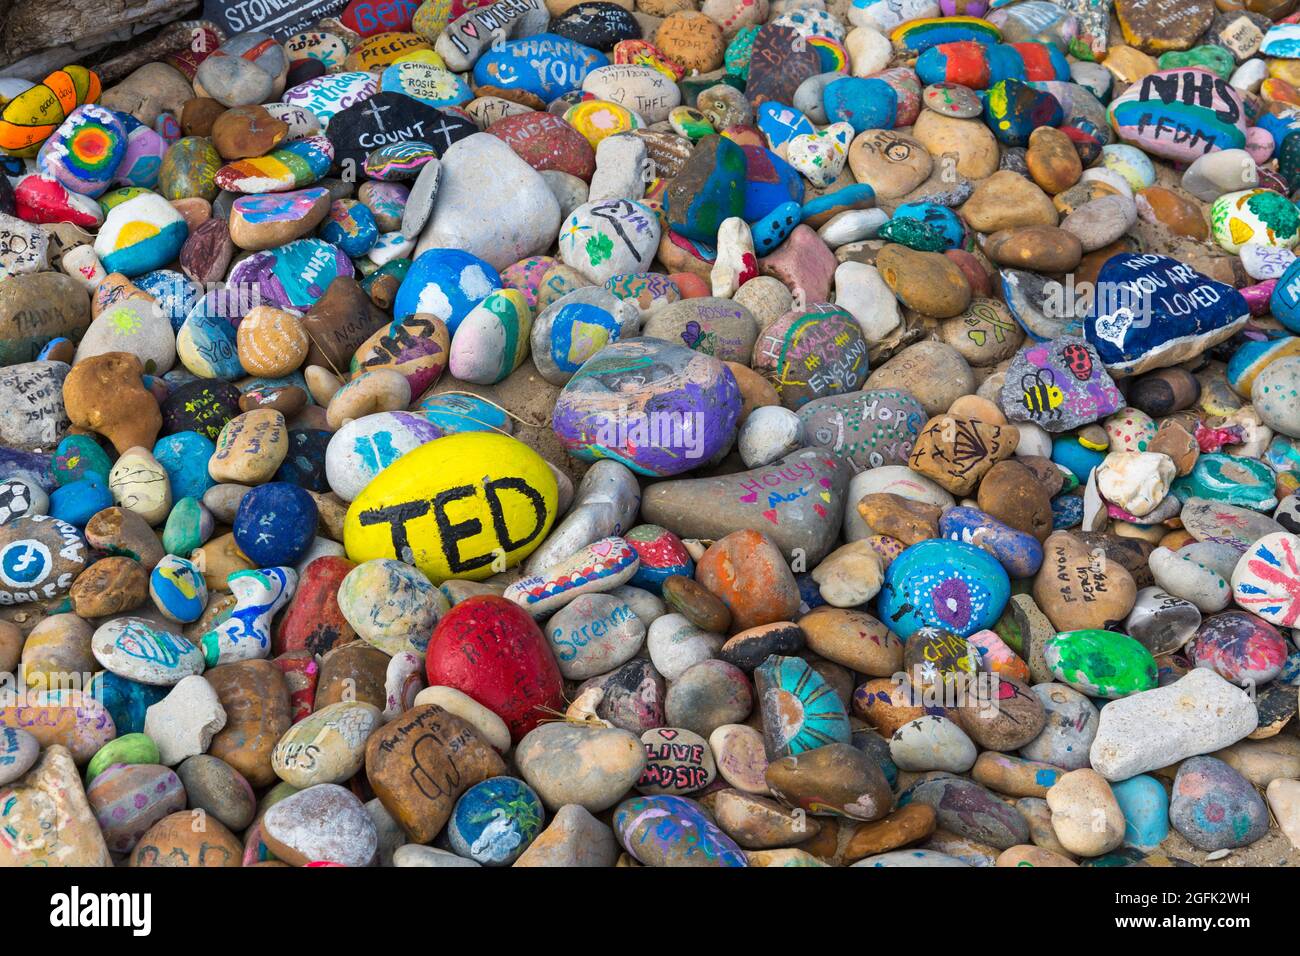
(421, 762)
(1019, 553)
(853, 639)
(321, 824)
(832, 780)
(934, 373)
(872, 428)
(1079, 591)
(971, 811)
(1001, 714)
(603, 411)
(394, 518)
(1196, 581)
(1014, 777)
(572, 838)
(1086, 817)
(1214, 807)
(1282, 801)
(124, 749)
(218, 789)
(932, 743)
(69, 718)
(757, 822)
(850, 575)
(800, 711)
(417, 855)
(708, 695)
(714, 326)
(741, 758)
(495, 820)
(1240, 648)
(677, 761)
(767, 434)
(48, 819)
(18, 752)
(491, 204)
(1070, 727)
(1145, 806)
(128, 799)
(594, 634)
(390, 604)
(1227, 525)
(175, 841)
(1161, 622)
(1199, 713)
(58, 645)
(748, 649)
(590, 766)
(19, 497)
(911, 858)
(326, 747)
(134, 648)
(1263, 761)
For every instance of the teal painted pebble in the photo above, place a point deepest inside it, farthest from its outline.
(184, 456)
(800, 710)
(188, 525)
(77, 456)
(947, 584)
(1145, 806)
(1231, 479)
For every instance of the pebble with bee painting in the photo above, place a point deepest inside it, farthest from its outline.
(1059, 384)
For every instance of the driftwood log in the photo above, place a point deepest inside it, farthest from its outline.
(37, 36)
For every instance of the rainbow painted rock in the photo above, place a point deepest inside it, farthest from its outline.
(29, 118)
(945, 584)
(464, 506)
(86, 150)
(492, 650)
(979, 66)
(293, 165)
(1180, 114)
(1100, 663)
(600, 566)
(398, 162)
(661, 409)
(917, 36)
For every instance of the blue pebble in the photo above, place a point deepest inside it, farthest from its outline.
(184, 456)
(862, 103)
(774, 228)
(174, 293)
(1067, 512)
(1146, 810)
(275, 524)
(79, 501)
(940, 218)
(447, 283)
(1079, 461)
(946, 584)
(1019, 553)
(304, 464)
(125, 700)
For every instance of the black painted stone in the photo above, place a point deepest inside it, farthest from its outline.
(597, 25)
(388, 118)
